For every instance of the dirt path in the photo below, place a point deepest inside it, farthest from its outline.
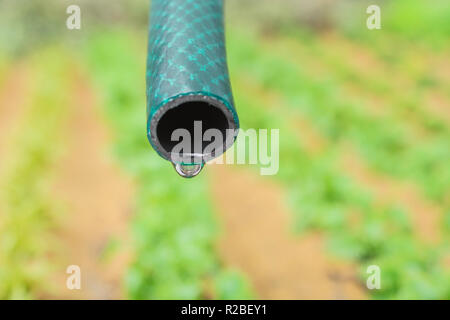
(98, 199)
(438, 103)
(370, 68)
(256, 239)
(14, 96)
(368, 65)
(425, 216)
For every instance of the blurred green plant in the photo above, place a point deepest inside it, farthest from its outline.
(27, 205)
(324, 197)
(385, 142)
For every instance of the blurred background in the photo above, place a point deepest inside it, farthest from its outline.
(364, 173)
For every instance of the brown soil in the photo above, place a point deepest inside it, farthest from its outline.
(13, 99)
(98, 200)
(369, 66)
(425, 215)
(438, 104)
(310, 138)
(362, 60)
(441, 66)
(421, 60)
(370, 102)
(256, 239)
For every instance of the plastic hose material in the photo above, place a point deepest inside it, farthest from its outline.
(187, 76)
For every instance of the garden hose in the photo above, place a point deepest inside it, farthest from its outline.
(188, 86)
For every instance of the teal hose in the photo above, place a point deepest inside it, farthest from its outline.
(187, 77)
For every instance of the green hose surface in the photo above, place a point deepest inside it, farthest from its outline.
(187, 64)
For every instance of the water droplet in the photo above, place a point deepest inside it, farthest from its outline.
(188, 171)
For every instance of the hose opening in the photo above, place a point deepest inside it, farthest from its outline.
(194, 118)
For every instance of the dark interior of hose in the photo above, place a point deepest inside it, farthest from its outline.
(184, 117)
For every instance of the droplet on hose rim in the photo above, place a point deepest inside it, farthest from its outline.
(188, 171)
